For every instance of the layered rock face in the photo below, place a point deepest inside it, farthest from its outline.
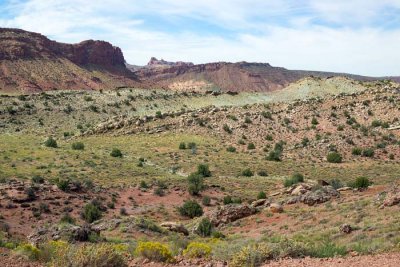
(18, 44)
(30, 62)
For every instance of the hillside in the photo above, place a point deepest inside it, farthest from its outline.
(223, 76)
(30, 62)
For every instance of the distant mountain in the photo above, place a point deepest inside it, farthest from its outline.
(235, 77)
(30, 62)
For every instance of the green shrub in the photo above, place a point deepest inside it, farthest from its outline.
(252, 255)
(294, 179)
(227, 129)
(63, 184)
(191, 209)
(204, 228)
(91, 213)
(116, 153)
(360, 182)
(203, 170)
(67, 218)
(197, 250)
(368, 152)
(336, 183)
(262, 173)
(143, 185)
(51, 142)
(37, 179)
(159, 115)
(269, 137)
(182, 145)
(29, 251)
(261, 195)
(327, 250)
(356, 151)
(206, 201)
(192, 145)
(334, 157)
(247, 172)
(64, 254)
(154, 251)
(231, 149)
(376, 123)
(274, 155)
(251, 146)
(78, 146)
(227, 200)
(196, 183)
(314, 121)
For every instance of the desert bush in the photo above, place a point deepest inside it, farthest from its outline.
(368, 152)
(252, 255)
(336, 183)
(51, 142)
(262, 173)
(376, 123)
(67, 218)
(269, 137)
(294, 179)
(159, 115)
(247, 172)
(334, 157)
(143, 185)
(356, 151)
(78, 146)
(204, 228)
(203, 170)
(91, 213)
(37, 179)
(261, 195)
(227, 200)
(159, 192)
(360, 182)
(182, 145)
(196, 183)
(154, 251)
(116, 153)
(231, 149)
(191, 209)
(206, 201)
(327, 249)
(100, 255)
(63, 184)
(29, 251)
(251, 146)
(227, 128)
(314, 121)
(197, 250)
(192, 145)
(274, 155)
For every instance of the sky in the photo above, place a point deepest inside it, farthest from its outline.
(354, 36)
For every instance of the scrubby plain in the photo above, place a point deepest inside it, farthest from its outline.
(118, 163)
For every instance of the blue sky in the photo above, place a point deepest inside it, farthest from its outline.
(357, 36)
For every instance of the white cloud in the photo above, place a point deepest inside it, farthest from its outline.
(366, 49)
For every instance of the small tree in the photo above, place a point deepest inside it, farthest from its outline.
(205, 227)
(196, 183)
(51, 142)
(91, 213)
(203, 170)
(191, 209)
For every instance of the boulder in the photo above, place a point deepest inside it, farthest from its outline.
(230, 213)
(392, 197)
(260, 203)
(276, 208)
(317, 196)
(346, 228)
(175, 227)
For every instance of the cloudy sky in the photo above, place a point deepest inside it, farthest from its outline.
(356, 36)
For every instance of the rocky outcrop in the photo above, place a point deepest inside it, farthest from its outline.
(19, 44)
(317, 196)
(175, 227)
(30, 62)
(68, 232)
(392, 197)
(230, 213)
